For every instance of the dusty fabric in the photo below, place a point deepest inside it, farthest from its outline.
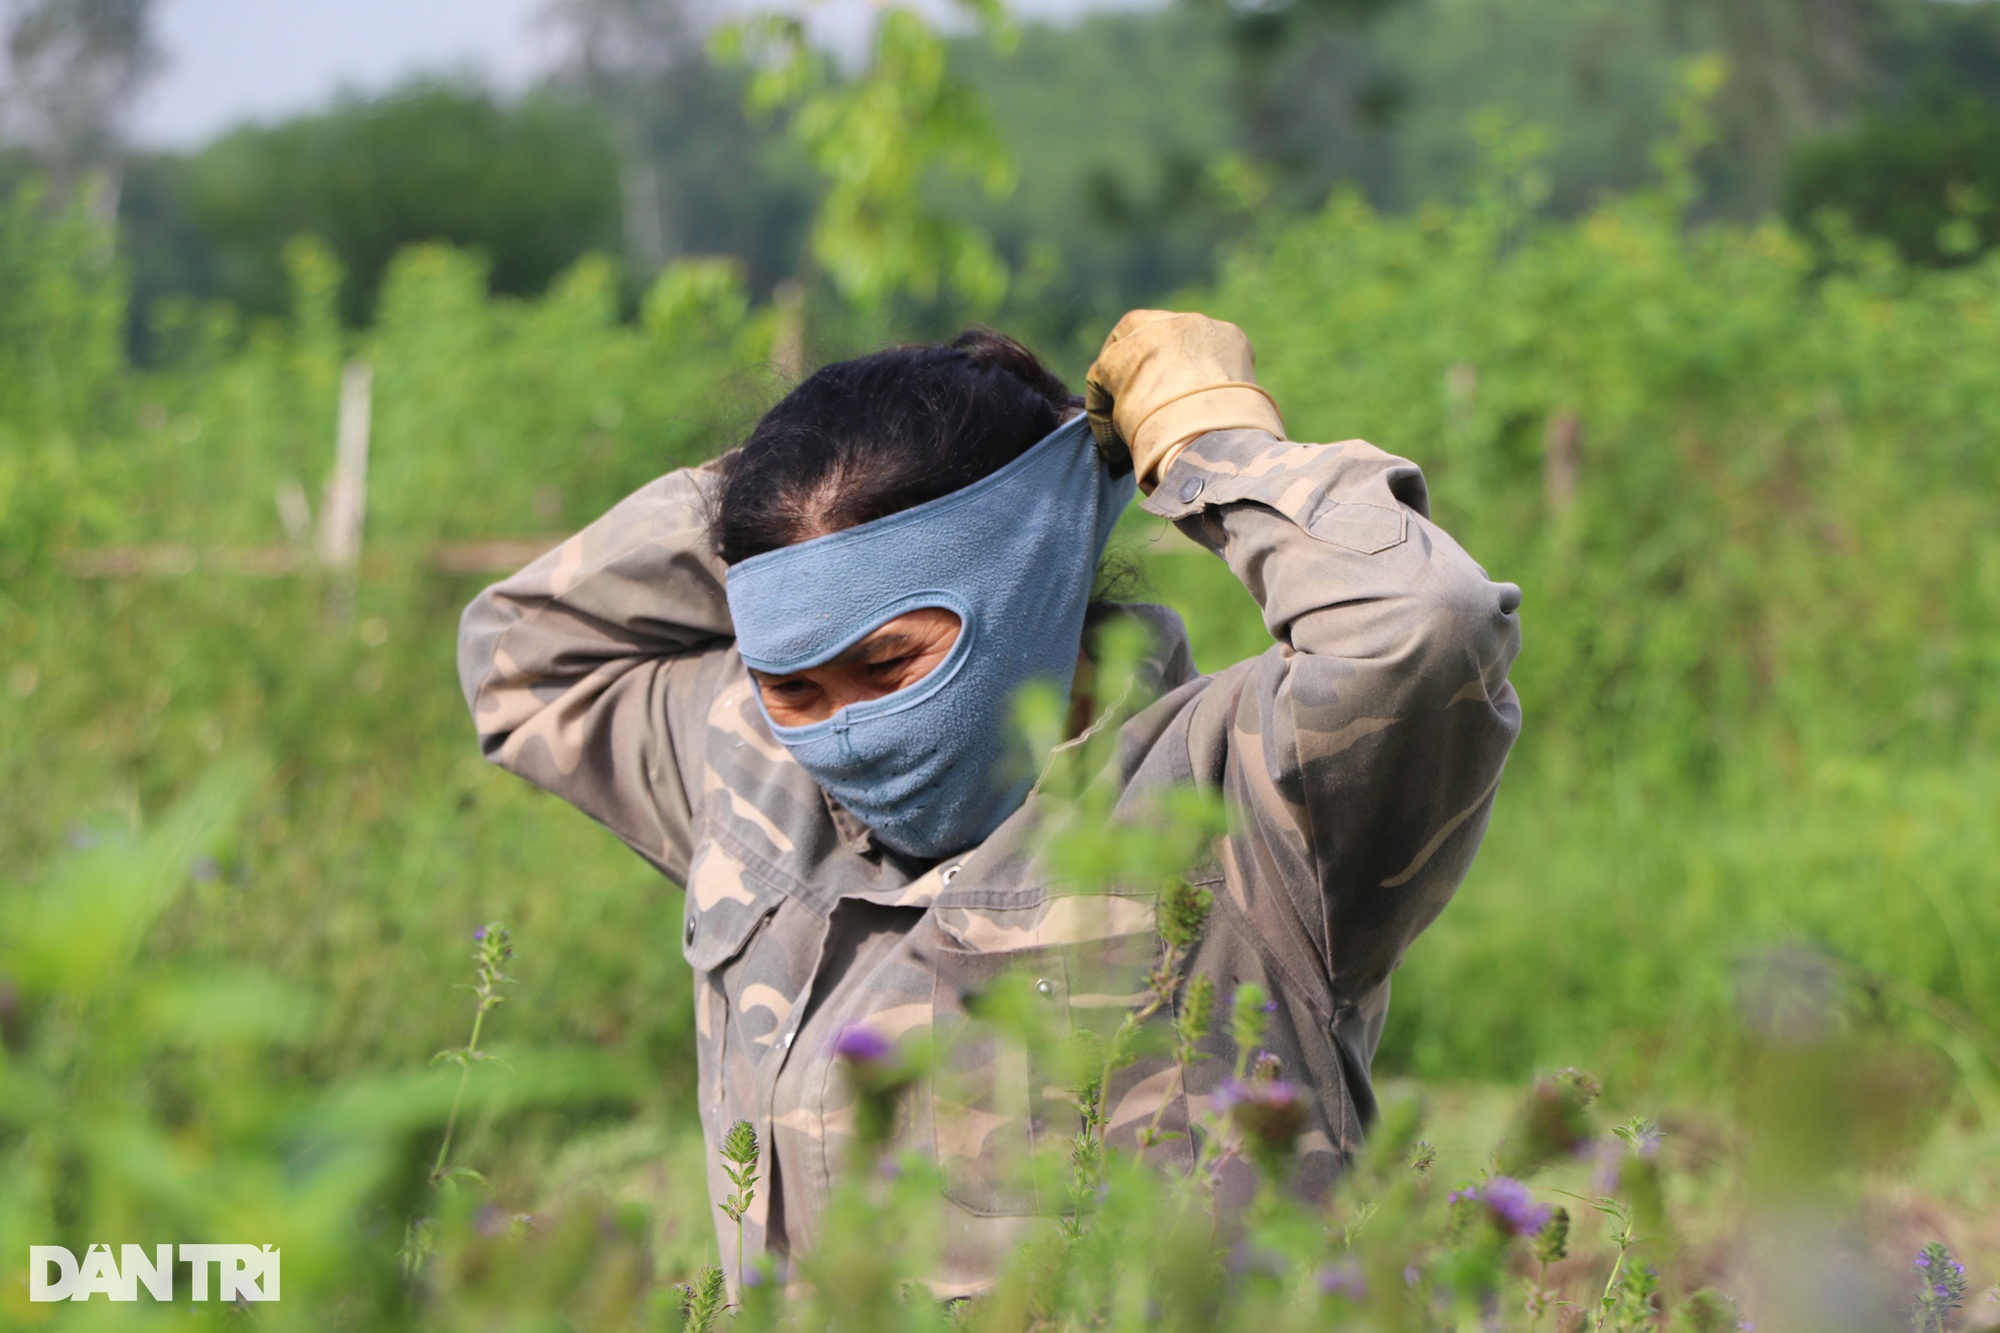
(1361, 752)
(934, 768)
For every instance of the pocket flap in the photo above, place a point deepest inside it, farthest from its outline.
(724, 904)
(1366, 528)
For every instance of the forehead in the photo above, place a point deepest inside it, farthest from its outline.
(904, 633)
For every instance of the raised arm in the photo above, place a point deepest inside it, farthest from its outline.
(589, 672)
(1365, 745)
(1362, 750)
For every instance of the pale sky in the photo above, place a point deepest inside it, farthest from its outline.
(236, 60)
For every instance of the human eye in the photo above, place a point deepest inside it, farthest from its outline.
(785, 689)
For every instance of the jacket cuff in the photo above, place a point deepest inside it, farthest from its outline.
(1319, 487)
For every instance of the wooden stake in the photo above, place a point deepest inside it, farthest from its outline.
(788, 343)
(346, 507)
(1562, 449)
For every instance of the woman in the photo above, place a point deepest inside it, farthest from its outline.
(784, 678)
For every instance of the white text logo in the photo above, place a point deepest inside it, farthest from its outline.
(240, 1272)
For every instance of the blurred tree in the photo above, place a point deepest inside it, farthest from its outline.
(696, 175)
(73, 68)
(1135, 208)
(1315, 99)
(1378, 93)
(531, 185)
(164, 246)
(622, 52)
(736, 184)
(1798, 68)
(1928, 180)
(1595, 75)
(1921, 167)
(1124, 194)
(877, 138)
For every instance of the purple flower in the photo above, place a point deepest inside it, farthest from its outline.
(479, 934)
(1235, 1092)
(1509, 1204)
(1268, 1112)
(1277, 1093)
(1515, 1206)
(861, 1045)
(1343, 1279)
(1923, 1261)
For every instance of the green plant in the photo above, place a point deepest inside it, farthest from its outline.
(739, 1157)
(496, 946)
(1745, 483)
(876, 138)
(703, 1300)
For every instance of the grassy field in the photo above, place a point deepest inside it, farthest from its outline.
(1746, 480)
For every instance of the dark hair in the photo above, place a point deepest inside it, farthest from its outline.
(862, 439)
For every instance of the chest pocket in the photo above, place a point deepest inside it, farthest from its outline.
(744, 987)
(1024, 1001)
(724, 904)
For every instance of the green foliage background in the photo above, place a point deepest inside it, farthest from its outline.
(1744, 473)
(1770, 598)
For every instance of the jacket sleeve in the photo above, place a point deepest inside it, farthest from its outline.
(589, 672)
(1360, 753)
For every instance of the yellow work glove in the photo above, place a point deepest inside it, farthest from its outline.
(1164, 378)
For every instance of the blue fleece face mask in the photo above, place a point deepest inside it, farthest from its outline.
(935, 768)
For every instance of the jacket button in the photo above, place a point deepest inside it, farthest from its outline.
(688, 935)
(1045, 987)
(1191, 488)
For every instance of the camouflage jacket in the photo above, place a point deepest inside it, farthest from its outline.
(1359, 754)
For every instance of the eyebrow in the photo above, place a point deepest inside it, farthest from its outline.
(894, 643)
(876, 644)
